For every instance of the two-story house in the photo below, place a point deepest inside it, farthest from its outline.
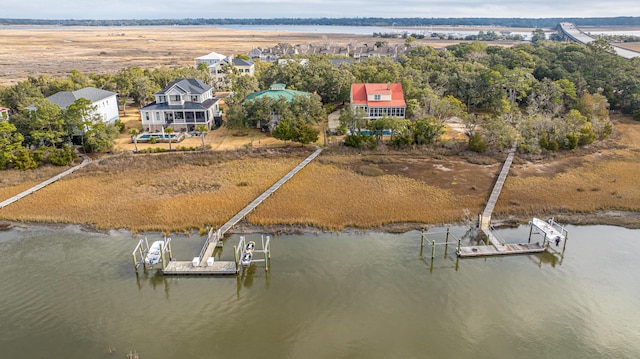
(182, 105)
(379, 99)
(104, 102)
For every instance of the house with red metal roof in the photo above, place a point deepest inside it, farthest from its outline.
(379, 99)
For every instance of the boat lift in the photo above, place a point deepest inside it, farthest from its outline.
(553, 233)
(246, 250)
(151, 255)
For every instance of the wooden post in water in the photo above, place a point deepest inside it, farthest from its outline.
(459, 240)
(135, 262)
(530, 231)
(433, 248)
(170, 253)
(446, 243)
(422, 238)
(164, 265)
(235, 255)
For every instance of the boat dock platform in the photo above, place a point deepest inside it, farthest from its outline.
(187, 268)
(505, 249)
(204, 263)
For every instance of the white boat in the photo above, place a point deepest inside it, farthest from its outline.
(246, 259)
(154, 255)
(552, 233)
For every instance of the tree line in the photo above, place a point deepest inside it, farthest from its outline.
(547, 95)
(364, 21)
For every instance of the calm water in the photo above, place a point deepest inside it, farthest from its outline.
(65, 293)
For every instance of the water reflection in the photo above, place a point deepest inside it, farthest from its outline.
(325, 296)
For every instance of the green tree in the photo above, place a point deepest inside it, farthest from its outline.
(10, 144)
(283, 130)
(304, 133)
(99, 137)
(169, 131)
(47, 124)
(134, 136)
(353, 118)
(203, 129)
(426, 130)
(538, 35)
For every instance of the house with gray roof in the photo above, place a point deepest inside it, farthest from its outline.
(182, 105)
(105, 102)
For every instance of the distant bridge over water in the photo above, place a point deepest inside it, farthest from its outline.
(569, 31)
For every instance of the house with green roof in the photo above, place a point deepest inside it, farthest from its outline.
(275, 91)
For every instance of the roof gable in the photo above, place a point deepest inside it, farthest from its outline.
(360, 92)
(189, 86)
(66, 98)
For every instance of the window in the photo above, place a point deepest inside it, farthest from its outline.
(194, 98)
(162, 99)
(176, 98)
(376, 97)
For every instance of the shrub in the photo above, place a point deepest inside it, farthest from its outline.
(153, 140)
(370, 171)
(61, 156)
(120, 126)
(401, 140)
(477, 144)
(24, 160)
(360, 141)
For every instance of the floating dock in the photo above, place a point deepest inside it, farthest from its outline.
(491, 250)
(187, 268)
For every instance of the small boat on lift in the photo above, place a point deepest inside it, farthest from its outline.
(154, 254)
(247, 254)
(551, 230)
(246, 259)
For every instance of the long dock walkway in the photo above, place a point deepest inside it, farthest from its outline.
(497, 246)
(215, 236)
(19, 196)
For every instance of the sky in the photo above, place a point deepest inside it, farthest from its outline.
(180, 9)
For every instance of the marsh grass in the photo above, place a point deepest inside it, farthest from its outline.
(334, 197)
(155, 192)
(592, 186)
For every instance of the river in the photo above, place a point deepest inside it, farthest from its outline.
(67, 293)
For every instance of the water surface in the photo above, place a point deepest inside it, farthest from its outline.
(66, 293)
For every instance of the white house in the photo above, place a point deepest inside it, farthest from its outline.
(182, 105)
(210, 59)
(216, 63)
(105, 102)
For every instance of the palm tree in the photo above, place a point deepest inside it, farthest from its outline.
(134, 134)
(169, 131)
(203, 129)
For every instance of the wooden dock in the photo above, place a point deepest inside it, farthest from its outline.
(199, 265)
(214, 237)
(497, 188)
(187, 268)
(491, 250)
(19, 196)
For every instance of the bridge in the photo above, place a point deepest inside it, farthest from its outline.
(568, 31)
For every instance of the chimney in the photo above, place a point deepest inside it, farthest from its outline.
(389, 85)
